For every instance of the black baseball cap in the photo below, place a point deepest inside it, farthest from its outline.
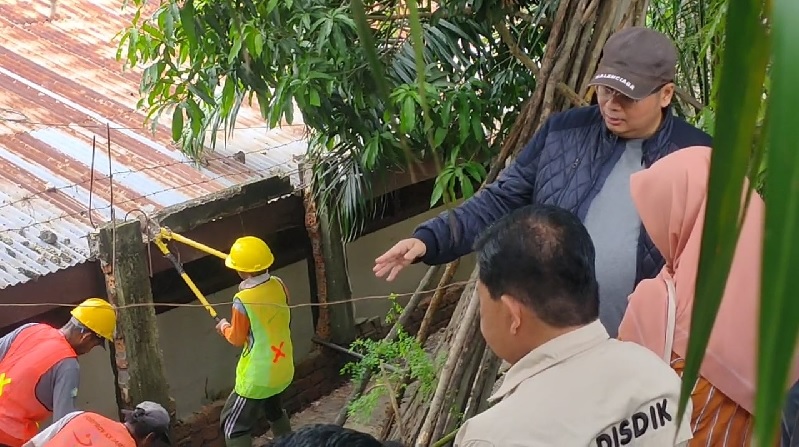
(636, 61)
(150, 417)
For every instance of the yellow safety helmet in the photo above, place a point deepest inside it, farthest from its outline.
(249, 254)
(98, 315)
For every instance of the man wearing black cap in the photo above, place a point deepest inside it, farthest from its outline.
(145, 426)
(581, 160)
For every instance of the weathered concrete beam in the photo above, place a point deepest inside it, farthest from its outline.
(229, 202)
(136, 359)
(394, 180)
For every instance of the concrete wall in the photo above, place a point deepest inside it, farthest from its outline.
(200, 364)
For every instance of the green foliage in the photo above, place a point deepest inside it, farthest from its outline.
(404, 353)
(203, 59)
(755, 136)
(747, 66)
(698, 29)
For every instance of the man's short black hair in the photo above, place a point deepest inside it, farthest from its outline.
(543, 256)
(329, 435)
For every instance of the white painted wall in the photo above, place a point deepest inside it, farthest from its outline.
(200, 364)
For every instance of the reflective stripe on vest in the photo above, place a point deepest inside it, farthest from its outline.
(266, 366)
(92, 430)
(32, 353)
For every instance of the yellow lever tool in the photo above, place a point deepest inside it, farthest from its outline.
(158, 240)
(166, 233)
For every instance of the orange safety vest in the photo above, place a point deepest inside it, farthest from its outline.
(90, 429)
(32, 353)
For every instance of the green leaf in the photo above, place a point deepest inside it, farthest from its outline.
(463, 120)
(168, 24)
(234, 50)
(199, 90)
(195, 116)
(314, 97)
(177, 123)
(740, 92)
(779, 325)
(466, 184)
(187, 13)
(477, 126)
(228, 95)
(440, 135)
(408, 115)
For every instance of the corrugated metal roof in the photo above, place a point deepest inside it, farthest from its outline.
(60, 85)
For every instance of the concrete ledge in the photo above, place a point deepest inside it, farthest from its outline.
(229, 202)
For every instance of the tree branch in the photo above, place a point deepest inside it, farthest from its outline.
(685, 96)
(514, 48)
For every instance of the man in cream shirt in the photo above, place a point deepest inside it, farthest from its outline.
(570, 384)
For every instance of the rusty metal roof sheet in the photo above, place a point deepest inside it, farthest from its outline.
(60, 87)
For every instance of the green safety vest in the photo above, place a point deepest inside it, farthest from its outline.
(266, 365)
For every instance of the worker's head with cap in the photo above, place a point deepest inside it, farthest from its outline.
(148, 423)
(635, 81)
(536, 279)
(93, 323)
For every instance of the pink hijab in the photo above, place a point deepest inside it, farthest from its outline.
(670, 198)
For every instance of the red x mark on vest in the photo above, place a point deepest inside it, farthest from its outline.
(278, 350)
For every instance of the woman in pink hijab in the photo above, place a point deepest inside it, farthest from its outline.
(670, 197)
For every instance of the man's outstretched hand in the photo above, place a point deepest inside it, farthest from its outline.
(398, 257)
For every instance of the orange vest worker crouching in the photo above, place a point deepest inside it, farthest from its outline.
(145, 426)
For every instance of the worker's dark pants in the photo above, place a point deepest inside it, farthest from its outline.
(240, 415)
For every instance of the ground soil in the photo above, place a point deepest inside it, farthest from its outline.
(325, 411)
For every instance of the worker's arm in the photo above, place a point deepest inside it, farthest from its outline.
(238, 330)
(49, 433)
(66, 378)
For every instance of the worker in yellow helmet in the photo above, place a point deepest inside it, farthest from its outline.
(260, 324)
(39, 371)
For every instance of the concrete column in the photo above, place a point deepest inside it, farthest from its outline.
(136, 357)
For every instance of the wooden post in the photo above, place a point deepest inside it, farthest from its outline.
(336, 322)
(135, 355)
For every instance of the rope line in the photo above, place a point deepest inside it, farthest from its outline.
(229, 303)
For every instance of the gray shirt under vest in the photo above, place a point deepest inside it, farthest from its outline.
(58, 387)
(614, 226)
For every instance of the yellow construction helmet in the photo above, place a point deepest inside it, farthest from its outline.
(98, 315)
(249, 254)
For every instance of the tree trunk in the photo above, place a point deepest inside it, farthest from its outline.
(580, 29)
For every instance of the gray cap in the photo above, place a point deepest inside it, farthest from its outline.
(151, 417)
(636, 61)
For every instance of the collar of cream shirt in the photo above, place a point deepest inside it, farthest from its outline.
(550, 354)
(249, 283)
